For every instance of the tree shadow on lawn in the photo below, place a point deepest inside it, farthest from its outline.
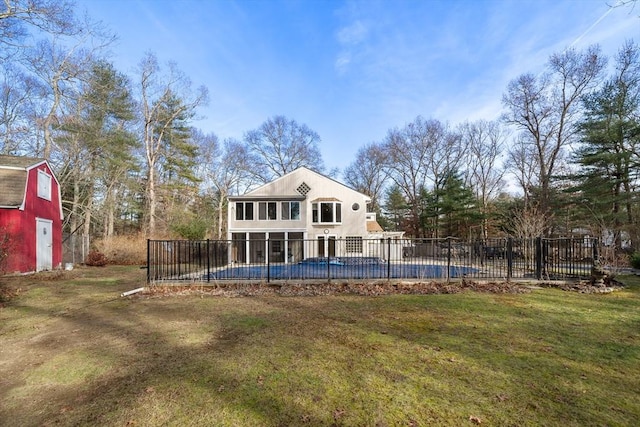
(143, 374)
(180, 360)
(551, 364)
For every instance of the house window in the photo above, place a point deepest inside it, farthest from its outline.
(291, 211)
(244, 211)
(44, 185)
(353, 244)
(326, 212)
(267, 211)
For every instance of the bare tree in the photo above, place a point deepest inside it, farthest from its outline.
(60, 70)
(522, 163)
(545, 108)
(368, 173)
(48, 16)
(224, 170)
(407, 151)
(484, 142)
(281, 145)
(17, 97)
(423, 152)
(157, 90)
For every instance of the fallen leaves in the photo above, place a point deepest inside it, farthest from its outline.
(475, 420)
(372, 288)
(338, 413)
(502, 397)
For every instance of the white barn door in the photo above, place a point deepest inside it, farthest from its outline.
(44, 244)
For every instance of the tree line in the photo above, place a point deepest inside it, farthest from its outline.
(561, 160)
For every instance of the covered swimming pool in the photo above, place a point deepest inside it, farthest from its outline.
(340, 268)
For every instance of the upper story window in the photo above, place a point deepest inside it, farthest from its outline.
(290, 211)
(244, 211)
(267, 211)
(326, 212)
(44, 185)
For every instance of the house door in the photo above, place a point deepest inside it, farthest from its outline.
(44, 245)
(327, 246)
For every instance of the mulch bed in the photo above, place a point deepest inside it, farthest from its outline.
(336, 288)
(370, 288)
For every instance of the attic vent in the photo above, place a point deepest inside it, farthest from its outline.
(303, 189)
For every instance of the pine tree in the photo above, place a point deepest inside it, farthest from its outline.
(608, 159)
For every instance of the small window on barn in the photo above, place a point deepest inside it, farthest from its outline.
(44, 185)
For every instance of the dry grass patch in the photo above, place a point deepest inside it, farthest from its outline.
(123, 250)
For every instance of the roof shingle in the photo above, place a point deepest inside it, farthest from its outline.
(12, 187)
(13, 179)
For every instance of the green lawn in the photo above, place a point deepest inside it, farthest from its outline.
(74, 353)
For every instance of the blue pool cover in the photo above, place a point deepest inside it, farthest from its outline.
(340, 268)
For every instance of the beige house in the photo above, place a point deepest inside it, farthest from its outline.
(300, 215)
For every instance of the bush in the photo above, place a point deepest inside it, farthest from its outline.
(194, 229)
(123, 250)
(96, 259)
(635, 260)
(8, 243)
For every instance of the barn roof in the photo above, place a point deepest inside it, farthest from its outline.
(13, 179)
(19, 161)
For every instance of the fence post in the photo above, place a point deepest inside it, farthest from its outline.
(539, 258)
(208, 262)
(268, 261)
(388, 258)
(178, 257)
(148, 261)
(448, 259)
(509, 258)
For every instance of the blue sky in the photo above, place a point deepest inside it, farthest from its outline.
(352, 70)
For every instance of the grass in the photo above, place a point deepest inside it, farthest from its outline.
(74, 353)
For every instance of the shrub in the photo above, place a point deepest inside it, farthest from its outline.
(96, 259)
(7, 245)
(635, 260)
(194, 229)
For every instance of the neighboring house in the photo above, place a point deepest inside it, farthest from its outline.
(30, 215)
(300, 215)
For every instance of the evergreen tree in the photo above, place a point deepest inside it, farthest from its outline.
(452, 209)
(98, 148)
(395, 209)
(605, 188)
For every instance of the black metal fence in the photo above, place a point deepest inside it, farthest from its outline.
(438, 259)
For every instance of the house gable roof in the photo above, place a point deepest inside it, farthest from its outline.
(288, 186)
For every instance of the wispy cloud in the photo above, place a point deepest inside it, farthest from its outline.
(354, 69)
(352, 34)
(349, 38)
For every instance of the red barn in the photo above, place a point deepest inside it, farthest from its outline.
(30, 215)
